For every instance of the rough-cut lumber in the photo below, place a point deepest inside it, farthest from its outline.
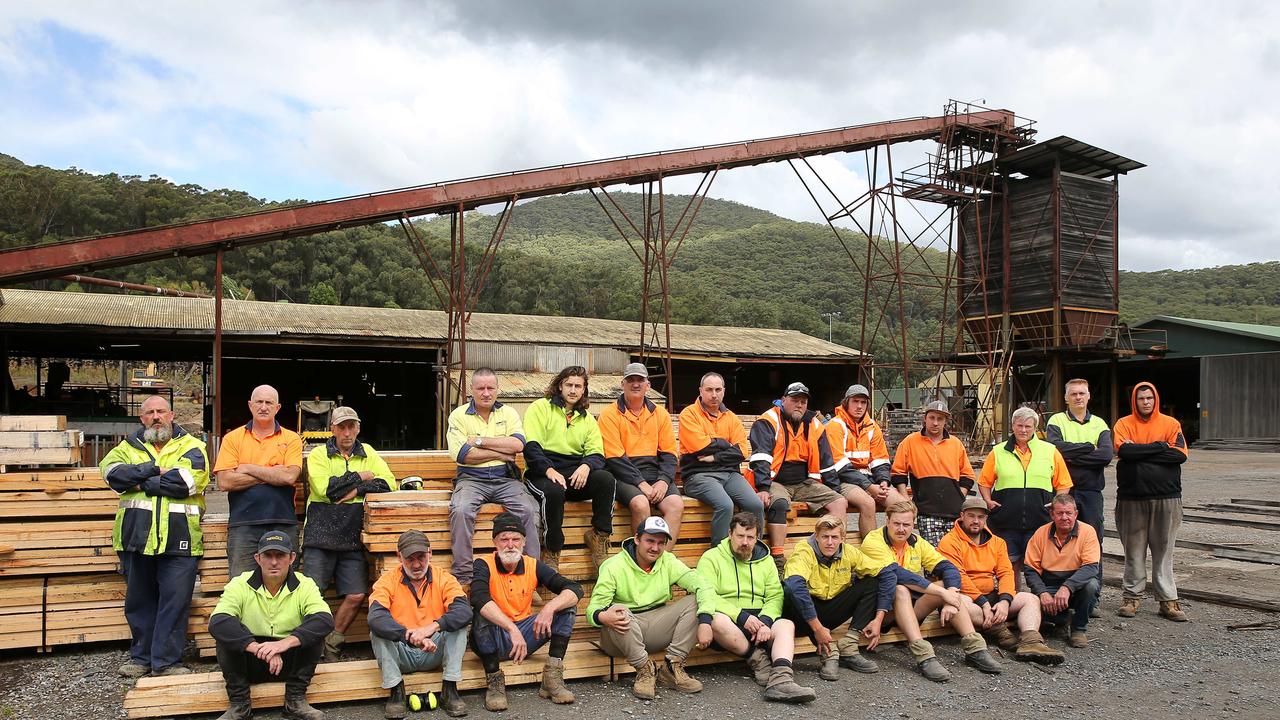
(40, 456)
(34, 439)
(14, 423)
(1238, 522)
(52, 480)
(24, 505)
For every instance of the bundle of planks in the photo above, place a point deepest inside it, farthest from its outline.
(58, 573)
(38, 440)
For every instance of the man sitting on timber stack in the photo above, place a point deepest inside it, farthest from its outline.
(632, 605)
(862, 458)
(748, 620)
(506, 627)
(986, 578)
(339, 474)
(713, 446)
(270, 623)
(418, 618)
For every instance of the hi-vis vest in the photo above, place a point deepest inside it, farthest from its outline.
(156, 524)
(1022, 492)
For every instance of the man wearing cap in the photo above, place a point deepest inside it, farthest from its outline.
(506, 627)
(270, 625)
(936, 467)
(713, 446)
(632, 605)
(987, 578)
(640, 450)
(748, 619)
(484, 438)
(791, 460)
(418, 616)
(340, 473)
(1018, 479)
(160, 472)
(862, 458)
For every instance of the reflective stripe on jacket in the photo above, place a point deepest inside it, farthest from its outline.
(159, 513)
(776, 442)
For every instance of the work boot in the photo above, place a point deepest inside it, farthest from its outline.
(858, 662)
(297, 708)
(672, 674)
(237, 711)
(1129, 607)
(333, 646)
(1171, 610)
(761, 666)
(1031, 647)
(552, 560)
(132, 670)
(495, 694)
(782, 687)
(172, 670)
(781, 562)
(395, 708)
(553, 687)
(644, 686)
(598, 546)
(1078, 639)
(451, 702)
(830, 666)
(1002, 636)
(1095, 611)
(983, 661)
(932, 669)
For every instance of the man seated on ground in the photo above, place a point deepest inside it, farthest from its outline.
(791, 460)
(713, 446)
(632, 605)
(418, 618)
(1062, 568)
(640, 451)
(506, 627)
(748, 620)
(898, 543)
(936, 466)
(862, 458)
(987, 578)
(339, 474)
(270, 624)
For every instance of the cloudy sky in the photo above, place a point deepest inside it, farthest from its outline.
(323, 99)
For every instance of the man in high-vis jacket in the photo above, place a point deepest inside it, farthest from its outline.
(1085, 443)
(339, 474)
(791, 460)
(862, 457)
(160, 472)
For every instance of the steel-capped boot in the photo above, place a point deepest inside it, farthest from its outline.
(1002, 636)
(553, 687)
(672, 674)
(1032, 648)
(982, 660)
(644, 686)
(1129, 607)
(597, 546)
(395, 708)
(782, 687)
(761, 666)
(495, 694)
(296, 707)
(451, 701)
(1172, 610)
(932, 669)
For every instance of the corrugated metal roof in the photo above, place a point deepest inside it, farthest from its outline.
(1263, 332)
(1073, 156)
(264, 319)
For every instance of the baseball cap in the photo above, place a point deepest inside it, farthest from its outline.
(412, 541)
(796, 388)
(275, 540)
(342, 414)
(974, 502)
(857, 391)
(655, 525)
(635, 369)
(938, 406)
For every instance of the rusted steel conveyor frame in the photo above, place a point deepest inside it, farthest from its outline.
(195, 238)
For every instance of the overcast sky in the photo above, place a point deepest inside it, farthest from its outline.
(323, 99)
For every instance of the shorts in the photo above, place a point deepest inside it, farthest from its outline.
(625, 492)
(816, 495)
(1016, 540)
(348, 567)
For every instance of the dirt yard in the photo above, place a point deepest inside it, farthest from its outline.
(1139, 668)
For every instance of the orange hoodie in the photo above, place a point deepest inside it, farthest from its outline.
(1151, 452)
(984, 564)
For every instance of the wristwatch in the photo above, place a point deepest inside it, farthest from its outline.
(479, 442)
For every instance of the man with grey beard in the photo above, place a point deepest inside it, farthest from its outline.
(160, 472)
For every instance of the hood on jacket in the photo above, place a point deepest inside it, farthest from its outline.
(1133, 402)
(983, 537)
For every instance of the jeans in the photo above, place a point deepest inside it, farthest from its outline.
(723, 490)
(396, 657)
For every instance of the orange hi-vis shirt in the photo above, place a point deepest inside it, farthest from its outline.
(260, 504)
(513, 592)
(1073, 562)
(721, 436)
(939, 475)
(861, 442)
(984, 564)
(638, 447)
(413, 606)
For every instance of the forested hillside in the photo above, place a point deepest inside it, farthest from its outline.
(562, 256)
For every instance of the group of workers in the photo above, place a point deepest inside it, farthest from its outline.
(1022, 551)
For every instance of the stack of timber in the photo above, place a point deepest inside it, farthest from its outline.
(38, 440)
(1240, 444)
(59, 583)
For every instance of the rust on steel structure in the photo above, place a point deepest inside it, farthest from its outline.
(122, 285)
(654, 240)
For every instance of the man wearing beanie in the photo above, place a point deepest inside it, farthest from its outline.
(418, 618)
(506, 628)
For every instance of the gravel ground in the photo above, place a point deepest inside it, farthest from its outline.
(1135, 668)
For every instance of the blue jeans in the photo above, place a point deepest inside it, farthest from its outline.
(157, 601)
(490, 640)
(1078, 607)
(723, 490)
(396, 657)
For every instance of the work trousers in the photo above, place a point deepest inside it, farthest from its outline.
(552, 497)
(855, 604)
(1078, 607)
(242, 545)
(468, 495)
(240, 670)
(157, 601)
(673, 626)
(490, 641)
(1153, 524)
(722, 491)
(396, 657)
